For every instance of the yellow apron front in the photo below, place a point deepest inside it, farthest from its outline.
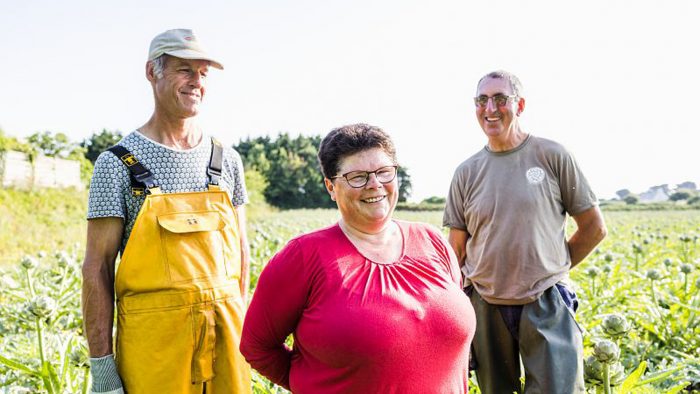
(180, 312)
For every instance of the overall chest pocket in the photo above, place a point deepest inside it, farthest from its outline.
(193, 245)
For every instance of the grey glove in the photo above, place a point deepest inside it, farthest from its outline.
(105, 378)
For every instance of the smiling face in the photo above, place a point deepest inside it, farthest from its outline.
(499, 122)
(180, 89)
(368, 208)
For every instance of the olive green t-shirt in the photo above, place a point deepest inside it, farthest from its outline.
(513, 206)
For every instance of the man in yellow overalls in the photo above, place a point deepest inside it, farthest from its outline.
(169, 200)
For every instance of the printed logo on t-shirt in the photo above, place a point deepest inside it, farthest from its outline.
(535, 175)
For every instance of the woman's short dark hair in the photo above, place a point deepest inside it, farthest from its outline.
(348, 140)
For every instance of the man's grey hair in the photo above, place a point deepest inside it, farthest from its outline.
(515, 84)
(159, 65)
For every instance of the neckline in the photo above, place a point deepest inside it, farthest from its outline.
(403, 244)
(509, 151)
(200, 144)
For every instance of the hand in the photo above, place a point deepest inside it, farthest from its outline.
(105, 378)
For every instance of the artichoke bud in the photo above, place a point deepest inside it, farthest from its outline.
(653, 274)
(42, 306)
(79, 356)
(592, 271)
(63, 259)
(615, 326)
(636, 248)
(29, 262)
(606, 351)
(593, 370)
(616, 374)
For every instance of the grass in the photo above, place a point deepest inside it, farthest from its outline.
(46, 219)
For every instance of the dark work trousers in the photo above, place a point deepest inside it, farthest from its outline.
(543, 334)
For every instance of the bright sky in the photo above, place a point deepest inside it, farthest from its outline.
(614, 81)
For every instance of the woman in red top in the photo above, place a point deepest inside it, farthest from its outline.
(375, 304)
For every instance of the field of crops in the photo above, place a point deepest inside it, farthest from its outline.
(639, 294)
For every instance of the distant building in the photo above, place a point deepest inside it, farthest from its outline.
(656, 194)
(16, 170)
(687, 186)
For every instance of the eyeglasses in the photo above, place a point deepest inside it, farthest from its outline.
(499, 99)
(359, 179)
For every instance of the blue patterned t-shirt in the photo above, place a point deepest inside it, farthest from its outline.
(175, 171)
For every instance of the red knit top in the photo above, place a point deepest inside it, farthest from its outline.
(361, 326)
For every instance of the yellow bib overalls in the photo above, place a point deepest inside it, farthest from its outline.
(180, 312)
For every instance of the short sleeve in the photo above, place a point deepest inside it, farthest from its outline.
(107, 188)
(235, 177)
(453, 217)
(576, 193)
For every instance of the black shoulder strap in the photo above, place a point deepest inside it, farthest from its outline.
(141, 178)
(215, 162)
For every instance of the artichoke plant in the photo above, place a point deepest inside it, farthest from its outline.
(29, 263)
(594, 370)
(79, 356)
(653, 274)
(41, 306)
(606, 351)
(615, 326)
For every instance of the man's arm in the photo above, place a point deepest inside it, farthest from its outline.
(245, 253)
(104, 237)
(458, 240)
(590, 230)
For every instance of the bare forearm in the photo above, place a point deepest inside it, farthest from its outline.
(458, 241)
(590, 231)
(103, 239)
(98, 309)
(580, 247)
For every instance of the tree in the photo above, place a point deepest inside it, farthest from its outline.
(405, 186)
(53, 145)
(99, 142)
(291, 169)
(680, 195)
(631, 199)
(623, 193)
(435, 200)
(58, 145)
(293, 174)
(12, 143)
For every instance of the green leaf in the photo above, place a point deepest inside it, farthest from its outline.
(633, 378)
(17, 366)
(677, 388)
(690, 307)
(45, 378)
(54, 377)
(656, 376)
(65, 364)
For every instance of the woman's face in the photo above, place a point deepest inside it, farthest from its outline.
(367, 208)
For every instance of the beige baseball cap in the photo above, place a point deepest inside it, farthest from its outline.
(180, 43)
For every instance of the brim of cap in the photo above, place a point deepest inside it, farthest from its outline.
(194, 55)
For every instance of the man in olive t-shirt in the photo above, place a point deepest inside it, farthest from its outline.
(506, 211)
